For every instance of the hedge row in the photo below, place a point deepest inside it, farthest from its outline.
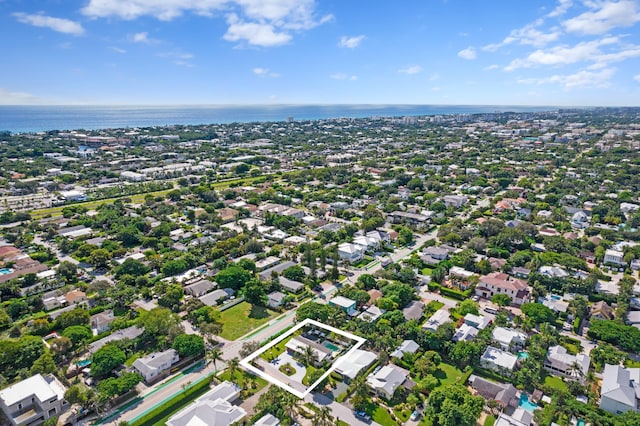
(169, 406)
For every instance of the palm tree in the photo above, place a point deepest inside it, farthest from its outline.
(308, 355)
(322, 417)
(213, 356)
(233, 365)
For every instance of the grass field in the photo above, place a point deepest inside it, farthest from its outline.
(382, 416)
(449, 374)
(242, 318)
(555, 383)
(137, 198)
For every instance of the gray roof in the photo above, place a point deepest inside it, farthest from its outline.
(413, 311)
(290, 285)
(212, 298)
(126, 333)
(621, 384)
(200, 287)
(266, 274)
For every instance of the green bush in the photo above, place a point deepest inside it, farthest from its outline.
(455, 294)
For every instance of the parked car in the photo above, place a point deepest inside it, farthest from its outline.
(362, 415)
(414, 416)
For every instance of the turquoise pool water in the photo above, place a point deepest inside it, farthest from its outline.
(5, 271)
(83, 363)
(525, 403)
(331, 346)
(580, 422)
(523, 355)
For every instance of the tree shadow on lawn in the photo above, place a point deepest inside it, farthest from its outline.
(258, 312)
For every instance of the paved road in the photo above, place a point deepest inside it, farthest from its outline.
(338, 411)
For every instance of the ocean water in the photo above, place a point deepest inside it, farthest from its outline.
(24, 119)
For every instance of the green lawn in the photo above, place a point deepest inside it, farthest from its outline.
(276, 350)
(239, 376)
(427, 271)
(242, 318)
(382, 416)
(449, 374)
(489, 421)
(402, 414)
(555, 383)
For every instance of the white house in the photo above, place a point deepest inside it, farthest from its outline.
(275, 299)
(465, 332)
(33, 400)
(478, 321)
(614, 257)
(407, 346)
(509, 338)
(440, 317)
(214, 408)
(498, 360)
(153, 366)
(620, 391)
(350, 366)
(387, 380)
(351, 253)
(565, 364)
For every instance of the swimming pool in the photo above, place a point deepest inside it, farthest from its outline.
(525, 403)
(5, 271)
(580, 422)
(83, 363)
(523, 355)
(556, 297)
(331, 346)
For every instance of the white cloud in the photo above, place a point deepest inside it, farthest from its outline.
(117, 49)
(434, 77)
(469, 53)
(176, 55)
(265, 72)
(257, 22)
(7, 97)
(561, 8)
(637, 78)
(491, 67)
(411, 69)
(527, 35)
(584, 79)
(562, 55)
(60, 25)
(257, 34)
(351, 42)
(343, 76)
(142, 37)
(606, 16)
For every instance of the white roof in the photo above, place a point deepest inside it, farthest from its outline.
(506, 335)
(465, 332)
(621, 384)
(477, 321)
(500, 358)
(351, 366)
(441, 316)
(34, 385)
(407, 346)
(342, 302)
(389, 378)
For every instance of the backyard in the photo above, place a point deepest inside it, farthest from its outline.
(242, 318)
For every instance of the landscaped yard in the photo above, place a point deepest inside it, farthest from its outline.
(382, 416)
(239, 377)
(555, 383)
(427, 271)
(449, 374)
(242, 318)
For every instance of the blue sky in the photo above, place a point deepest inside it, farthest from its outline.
(493, 52)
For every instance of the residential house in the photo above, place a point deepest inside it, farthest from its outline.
(32, 401)
(519, 417)
(554, 302)
(455, 201)
(508, 338)
(501, 283)
(567, 365)
(217, 296)
(502, 393)
(297, 346)
(154, 366)
(199, 288)
(371, 314)
(620, 391)
(290, 285)
(275, 299)
(267, 420)
(267, 274)
(351, 253)
(614, 257)
(346, 304)
(126, 333)
(101, 321)
(349, 366)
(601, 310)
(498, 360)
(389, 378)
(407, 346)
(413, 311)
(460, 277)
(464, 333)
(440, 317)
(416, 219)
(75, 297)
(478, 321)
(214, 408)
